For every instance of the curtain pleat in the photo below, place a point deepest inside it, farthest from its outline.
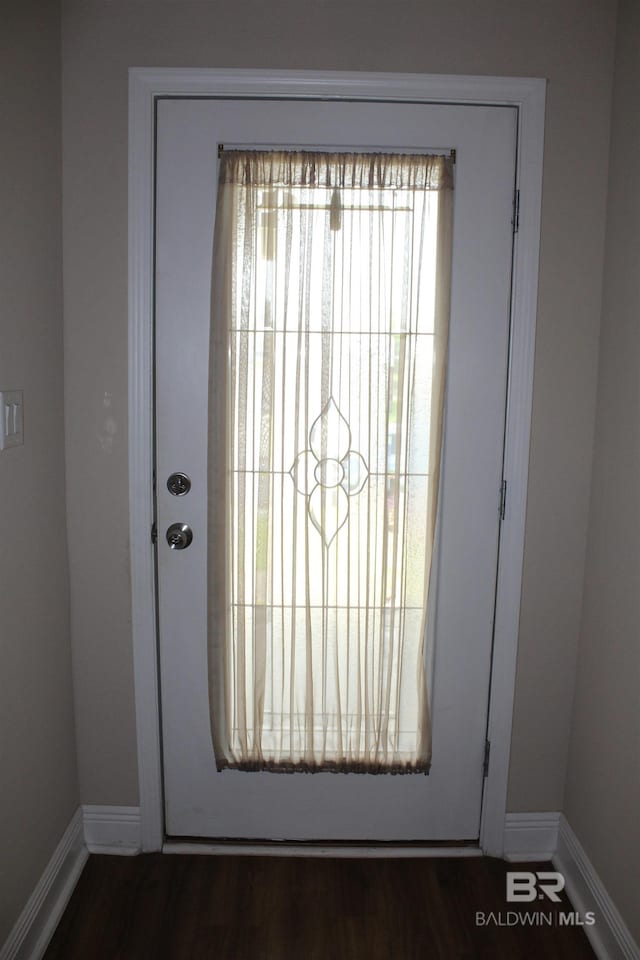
(330, 314)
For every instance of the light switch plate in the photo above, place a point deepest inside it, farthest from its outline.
(11, 419)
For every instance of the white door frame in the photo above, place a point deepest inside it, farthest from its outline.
(528, 96)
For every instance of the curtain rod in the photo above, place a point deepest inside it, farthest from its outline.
(221, 150)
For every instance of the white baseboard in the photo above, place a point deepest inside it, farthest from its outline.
(530, 836)
(609, 936)
(116, 830)
(36, 924)
(113, 830)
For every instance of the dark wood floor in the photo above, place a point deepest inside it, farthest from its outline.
(249, 908)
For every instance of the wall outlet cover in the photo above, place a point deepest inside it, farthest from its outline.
(11, 419)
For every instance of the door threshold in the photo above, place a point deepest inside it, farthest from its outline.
(359, 849)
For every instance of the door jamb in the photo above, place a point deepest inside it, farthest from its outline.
(528, 96)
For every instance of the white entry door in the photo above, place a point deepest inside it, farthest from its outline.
(446, 804)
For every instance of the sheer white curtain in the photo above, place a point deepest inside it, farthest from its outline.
(329, 330)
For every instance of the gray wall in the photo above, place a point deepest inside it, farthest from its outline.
(39, 792)
(571, 42)
(603, 780)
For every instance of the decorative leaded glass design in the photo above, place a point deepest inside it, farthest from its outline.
(329, 472)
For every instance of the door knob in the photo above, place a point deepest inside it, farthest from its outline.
(179, 536)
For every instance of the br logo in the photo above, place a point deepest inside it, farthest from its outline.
(523, 886)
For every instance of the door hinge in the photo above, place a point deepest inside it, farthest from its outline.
(502, 510)
(516, 211)
(154, 533)
(485, 763)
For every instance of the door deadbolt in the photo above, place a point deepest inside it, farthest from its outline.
(179, 536)
(178, 484)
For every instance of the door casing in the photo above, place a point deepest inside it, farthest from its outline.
(528, 96)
